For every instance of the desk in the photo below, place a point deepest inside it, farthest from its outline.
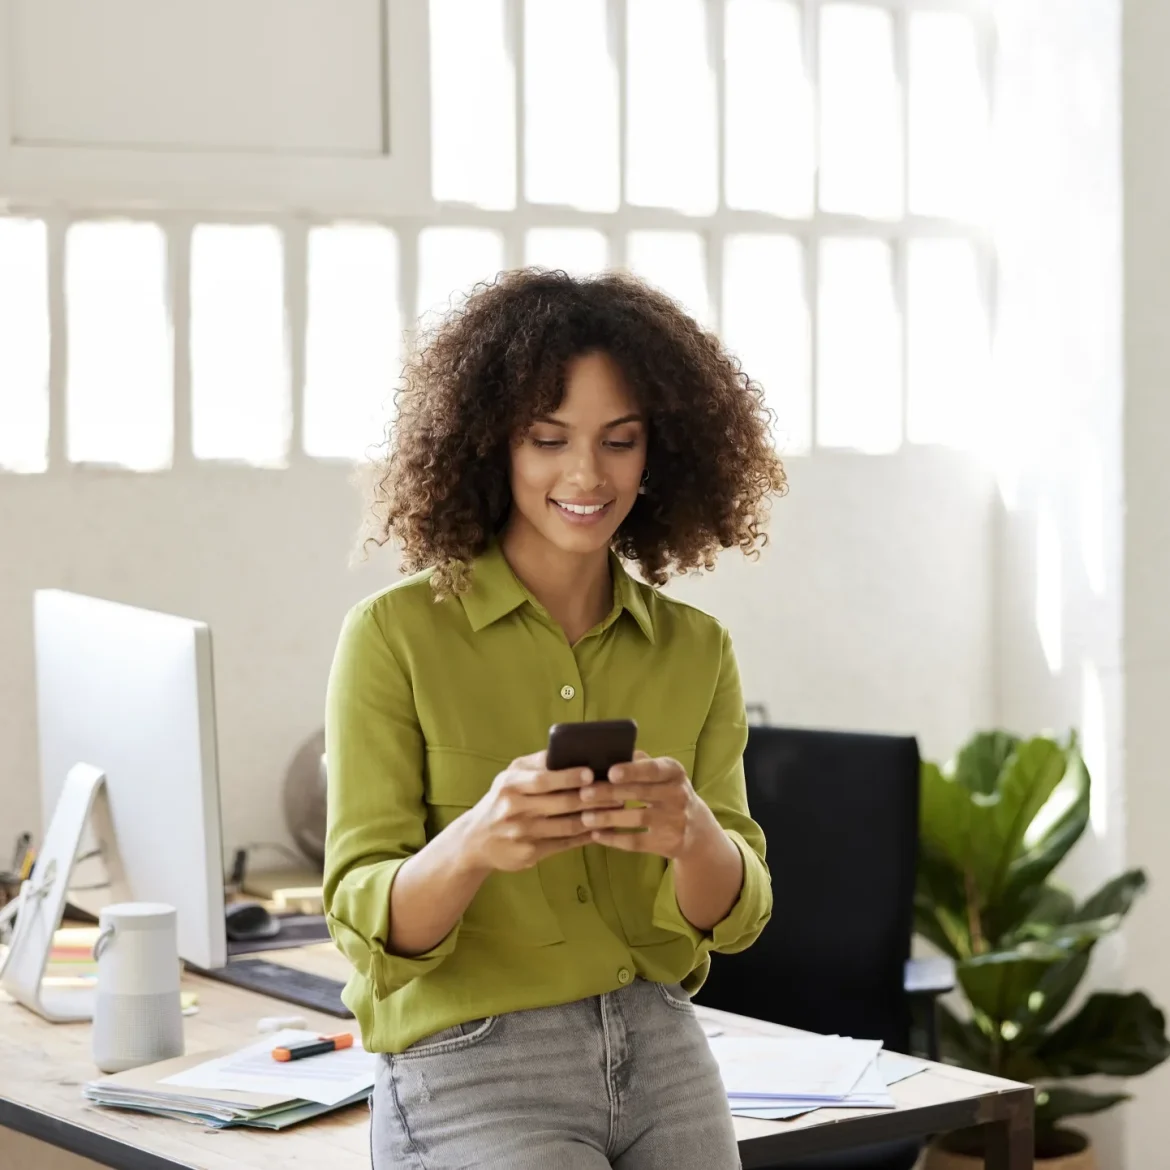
(42, 1067)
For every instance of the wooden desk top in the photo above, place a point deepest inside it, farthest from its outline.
(43, 1066)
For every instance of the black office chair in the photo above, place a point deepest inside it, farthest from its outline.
(840, 814)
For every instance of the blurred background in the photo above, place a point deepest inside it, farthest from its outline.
(220, 222)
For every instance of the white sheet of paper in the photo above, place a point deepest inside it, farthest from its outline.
(327, 1079)
(895, 1067)
(823, 1068)
(770, 1112)
(890, 1067)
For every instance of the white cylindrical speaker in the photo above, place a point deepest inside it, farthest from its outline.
(137, 1015)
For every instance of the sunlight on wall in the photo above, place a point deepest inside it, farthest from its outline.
(1090, 474)
(1093, 728)
(1049, 589)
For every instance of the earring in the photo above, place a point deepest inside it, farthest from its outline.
(644, 481)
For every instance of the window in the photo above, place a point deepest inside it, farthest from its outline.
(239, 370)
(450, 262)
(119, 393)
(352, 340)
(570, 106)
(806, 177)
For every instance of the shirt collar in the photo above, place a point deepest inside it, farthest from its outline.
(496, 591)
(629, 593)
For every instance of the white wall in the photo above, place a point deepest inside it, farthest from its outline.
(871, 608)
(1057, 369)
(1147, 526)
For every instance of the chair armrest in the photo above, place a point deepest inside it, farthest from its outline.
(931, 976)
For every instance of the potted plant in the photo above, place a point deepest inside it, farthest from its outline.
(995, 823)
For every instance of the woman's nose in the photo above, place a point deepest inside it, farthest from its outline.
(585, 473)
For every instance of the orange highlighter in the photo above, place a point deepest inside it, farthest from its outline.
(314, 1047)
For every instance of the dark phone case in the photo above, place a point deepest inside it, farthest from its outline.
(597, 745)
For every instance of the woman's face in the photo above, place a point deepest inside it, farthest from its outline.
(575, 473)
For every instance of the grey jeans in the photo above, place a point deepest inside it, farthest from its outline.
(624, 1080)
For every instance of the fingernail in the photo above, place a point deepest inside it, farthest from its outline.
(586, 776)
(615, 773)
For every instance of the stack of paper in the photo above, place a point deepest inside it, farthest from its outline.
(774, 1077)
(243, 1087)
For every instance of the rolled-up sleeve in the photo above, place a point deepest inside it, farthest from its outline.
(376, 811)
(719, 779)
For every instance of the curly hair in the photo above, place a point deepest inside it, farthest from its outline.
(482, 374)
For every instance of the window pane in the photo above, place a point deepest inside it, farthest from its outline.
(579, 251)
(858, 348)
(239, 366)
(570, 105)
(769, 121)
(450, 262)
(353, 341)
(948, 342)
(670, 153)
(948, 116)
(676, 263)
(861, 160)
(473, 154)
(24, 346)
(120, 404)
(766, 323)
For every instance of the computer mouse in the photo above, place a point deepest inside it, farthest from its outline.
(248, 921)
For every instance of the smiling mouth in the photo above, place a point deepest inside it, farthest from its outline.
(582, 509)
(580, 515)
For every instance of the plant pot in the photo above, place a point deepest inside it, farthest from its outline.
(1070, 1150)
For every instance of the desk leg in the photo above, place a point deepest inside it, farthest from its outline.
(1010, 1141)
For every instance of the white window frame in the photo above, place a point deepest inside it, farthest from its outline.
(513, 224)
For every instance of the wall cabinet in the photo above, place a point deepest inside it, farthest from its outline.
(316, 105)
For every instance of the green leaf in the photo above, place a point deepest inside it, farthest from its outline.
(1113, 1035)
(1060, 1101)
(1039, 858)
(934, 925)
(1030, 777)
(979, 764)
(1072, 936)
(962, 1043)
(1115, 898)
(1044, 1003)
(940, 913)
(980, 835)
(1047, 906)
(1053, 907)
(1000, 982)
(945, 820)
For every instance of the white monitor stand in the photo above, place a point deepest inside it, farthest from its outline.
(42, 898)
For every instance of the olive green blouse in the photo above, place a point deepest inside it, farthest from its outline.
(427, 702)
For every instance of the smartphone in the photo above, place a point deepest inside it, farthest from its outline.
(597, 745)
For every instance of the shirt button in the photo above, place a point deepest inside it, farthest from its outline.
(624, 976)
(582, 894)
(567, 692)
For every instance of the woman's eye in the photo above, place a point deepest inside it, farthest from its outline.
(623, 445)
(548, 444)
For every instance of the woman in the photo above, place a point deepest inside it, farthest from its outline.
(522, 959)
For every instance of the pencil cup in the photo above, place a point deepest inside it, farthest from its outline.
(137, 1016)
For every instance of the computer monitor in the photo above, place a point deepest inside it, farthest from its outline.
(130, 692)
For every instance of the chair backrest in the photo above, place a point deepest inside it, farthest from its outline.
(840, 814)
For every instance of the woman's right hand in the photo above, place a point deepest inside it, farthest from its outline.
(529, 814)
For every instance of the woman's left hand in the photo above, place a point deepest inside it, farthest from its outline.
(674, 820)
